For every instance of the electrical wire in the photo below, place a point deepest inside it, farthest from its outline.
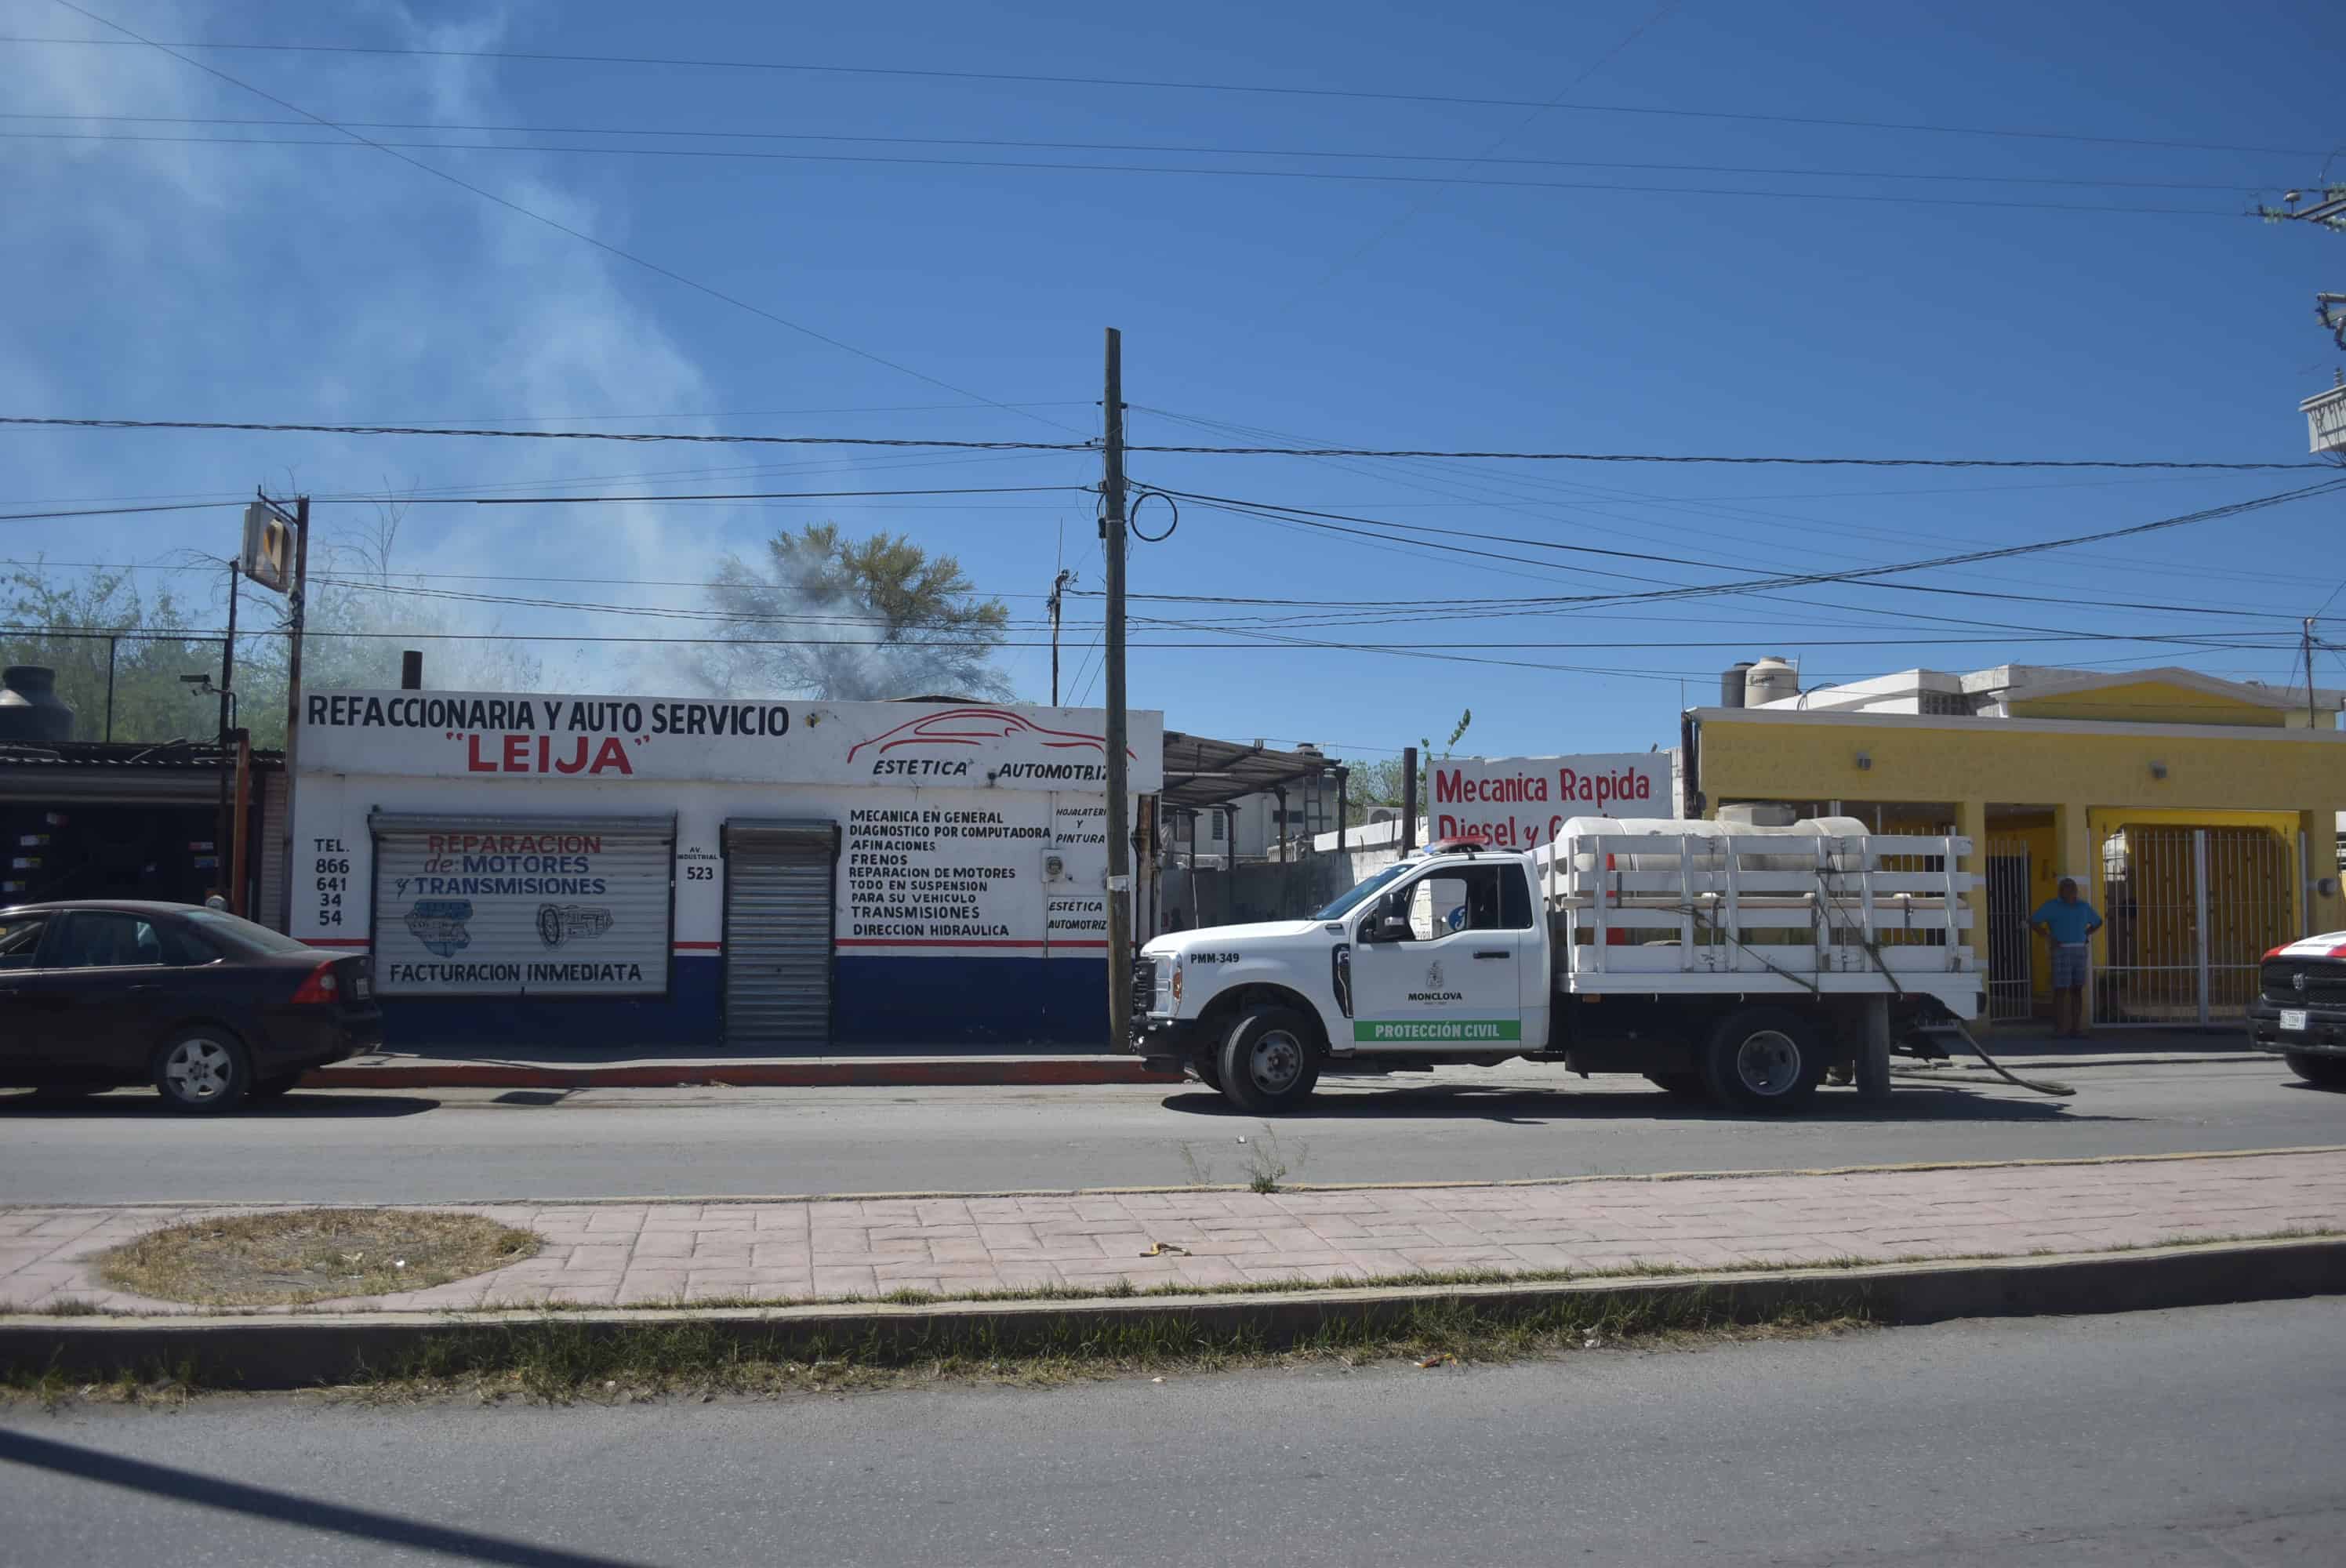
(1190, 149)
(1868, 198)
(1162, 85)
(1088, 445)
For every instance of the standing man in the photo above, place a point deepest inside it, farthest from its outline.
(2069, 923)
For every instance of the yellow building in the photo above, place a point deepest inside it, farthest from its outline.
(2199, 815)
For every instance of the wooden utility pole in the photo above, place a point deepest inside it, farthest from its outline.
(2312, 720)
(298, 610)
(224, 829)
(1119, 844)
(1058, 588)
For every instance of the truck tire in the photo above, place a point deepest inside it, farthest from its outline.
(1208, 1068)
(1763, 1059)
(1268, 1061)
(2329, 1071)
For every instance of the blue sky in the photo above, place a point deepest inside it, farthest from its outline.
(265, 281)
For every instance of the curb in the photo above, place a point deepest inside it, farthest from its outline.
(876, 1074)
(278, 1353)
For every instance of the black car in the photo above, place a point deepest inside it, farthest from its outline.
(211, 1008)
(2300, 1012)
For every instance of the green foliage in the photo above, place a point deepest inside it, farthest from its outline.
(150, 702)
(1382, 783)
(851, 620)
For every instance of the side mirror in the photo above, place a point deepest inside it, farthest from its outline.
(1392, 928)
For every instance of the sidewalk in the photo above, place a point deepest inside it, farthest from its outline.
(636, 1254)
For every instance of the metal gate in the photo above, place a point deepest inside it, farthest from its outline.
(778, 930)
(2011, 981)
(2190, 912)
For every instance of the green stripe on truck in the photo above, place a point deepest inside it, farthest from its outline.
(1415, 1029)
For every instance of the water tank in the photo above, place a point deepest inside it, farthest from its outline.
(1730, 683)
(1706, 859)
(30, 708)
(1772, 679)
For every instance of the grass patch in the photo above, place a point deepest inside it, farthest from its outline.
(556, 1359)
(311, 1255)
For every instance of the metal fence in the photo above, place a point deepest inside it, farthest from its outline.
(2190, 913)
(2011, 948)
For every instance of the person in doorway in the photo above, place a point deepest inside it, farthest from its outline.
(2069, 923)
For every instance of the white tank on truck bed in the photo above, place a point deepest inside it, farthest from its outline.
(1710, 848)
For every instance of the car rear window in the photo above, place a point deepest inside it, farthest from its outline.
(236, 931)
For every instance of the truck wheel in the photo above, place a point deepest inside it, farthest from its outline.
(1680, 1086)
(1269, 1063)
(1763, 1059)
(2329, 1071)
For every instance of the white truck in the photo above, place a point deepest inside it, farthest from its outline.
(1735, 961)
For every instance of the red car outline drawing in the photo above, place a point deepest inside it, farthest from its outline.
(990, 724)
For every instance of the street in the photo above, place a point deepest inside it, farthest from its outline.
(2204, 1437)
(448, 1146)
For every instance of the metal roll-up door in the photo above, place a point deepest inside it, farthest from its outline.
(778, 930)
(269, 851)
(478, 905)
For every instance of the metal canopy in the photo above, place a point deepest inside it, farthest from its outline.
(1199, 772)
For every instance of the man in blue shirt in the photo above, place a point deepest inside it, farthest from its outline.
(2069, 923)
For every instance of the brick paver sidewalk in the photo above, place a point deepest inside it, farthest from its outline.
(621, 1254)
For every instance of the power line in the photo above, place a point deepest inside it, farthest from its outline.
(1334, 521)
(1190, 150)
(1163, 85)
(1868, 198)
(941, 443)
(579, 234)
(576, 500)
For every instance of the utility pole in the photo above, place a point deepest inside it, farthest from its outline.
(1119, 846)
(1058, 587)
(226, 826)
(299, 612)
(2311, 720)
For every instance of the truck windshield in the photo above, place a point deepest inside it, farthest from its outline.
(1366, 890)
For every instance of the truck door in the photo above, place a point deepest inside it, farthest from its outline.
(1455, 981)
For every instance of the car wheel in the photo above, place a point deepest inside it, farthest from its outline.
(1269, 1062)
(273, 1088)
(1680, 1086)
(1763, 1059)
(2329, 1071)
(203, 1070)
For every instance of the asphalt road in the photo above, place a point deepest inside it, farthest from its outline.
(2207, 1437)
(1462, 1124)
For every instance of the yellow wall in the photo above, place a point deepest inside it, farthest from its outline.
(2151, 702)
(2283, 778)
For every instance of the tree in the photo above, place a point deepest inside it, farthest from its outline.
(362, 615)
(70, 618)
(851, 620)
(1383, 783)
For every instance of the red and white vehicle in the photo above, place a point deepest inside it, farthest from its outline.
(2300, 1011)
(1730, 961)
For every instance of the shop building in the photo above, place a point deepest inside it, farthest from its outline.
(2199, 815)
(670, 872)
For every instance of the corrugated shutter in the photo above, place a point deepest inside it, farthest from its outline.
(269, 903)
(522, 906)
(778, 930)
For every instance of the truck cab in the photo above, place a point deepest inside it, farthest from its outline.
(1442, 955)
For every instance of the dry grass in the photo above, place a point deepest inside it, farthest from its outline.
(311, 1255)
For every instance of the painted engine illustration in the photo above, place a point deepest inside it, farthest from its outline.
(558, 924)
(439, 924)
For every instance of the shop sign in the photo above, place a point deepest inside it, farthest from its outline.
(507, 735)
(1520, 802)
